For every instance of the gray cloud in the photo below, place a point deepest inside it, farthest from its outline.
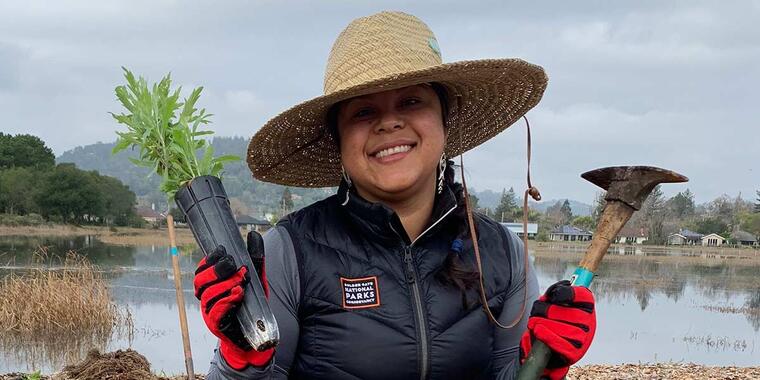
(671, 84)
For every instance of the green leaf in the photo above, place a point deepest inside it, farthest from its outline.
(121, 144)
(227, 158)
(166, 131)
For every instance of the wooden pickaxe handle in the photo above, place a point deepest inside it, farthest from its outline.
(615, 215)
(627, 188)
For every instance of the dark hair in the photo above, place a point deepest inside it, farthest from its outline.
(455, 272)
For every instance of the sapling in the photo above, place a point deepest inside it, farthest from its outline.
(168, 133)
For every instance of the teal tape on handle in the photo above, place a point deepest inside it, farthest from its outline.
(582, 277)
(174, 251)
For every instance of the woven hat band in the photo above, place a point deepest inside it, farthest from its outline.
(379, 46)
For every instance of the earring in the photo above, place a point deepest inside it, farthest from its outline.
(345, 176)
(441, 170)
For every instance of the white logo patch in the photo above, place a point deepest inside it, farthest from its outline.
(360, 293)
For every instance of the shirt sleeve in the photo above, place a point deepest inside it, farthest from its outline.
(284, 295)
(506, 354)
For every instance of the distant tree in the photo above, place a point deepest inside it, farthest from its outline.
(653, 214)
(507, 205)
(554, 215)
(286, 201)
(559, 213)
(583, 222)
(474, 201)
(17, 190)
(69, 193)
(711, 225)
(722, 208)
(757, 202)
(239, 207)
(567, 212)
(24, 151)
(682, 205)
(750, 222)
(177, 214)
(599, 203)
(117, 199)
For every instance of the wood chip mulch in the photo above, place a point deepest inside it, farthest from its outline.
(659, 371)
(669, 371)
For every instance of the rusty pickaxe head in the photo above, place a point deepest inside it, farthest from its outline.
(631, 184)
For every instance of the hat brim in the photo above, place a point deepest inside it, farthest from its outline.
(485, 97)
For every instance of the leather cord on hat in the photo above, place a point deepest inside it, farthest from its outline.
(536, 195)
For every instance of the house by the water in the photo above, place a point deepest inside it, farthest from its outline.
(569, 233)
(713, 240)
(685, 237)
(252, 224)
(632, 235)
(744, 238)
(518, 229)
(150, 215)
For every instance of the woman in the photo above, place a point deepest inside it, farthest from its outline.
(382, 280)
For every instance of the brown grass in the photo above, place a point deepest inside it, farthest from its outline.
(54, 315)
(120, 236)
(145, 237)
(694, 255)
(51, 230)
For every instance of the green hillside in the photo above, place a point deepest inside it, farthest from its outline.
(249, 196)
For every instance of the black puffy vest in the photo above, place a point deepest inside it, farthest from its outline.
(371, 307)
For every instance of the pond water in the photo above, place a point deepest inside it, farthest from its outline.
(670, 307)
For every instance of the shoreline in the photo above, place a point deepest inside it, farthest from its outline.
(117, 236)
(662, 253)
(575, 250)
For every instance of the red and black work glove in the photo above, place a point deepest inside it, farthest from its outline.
(565, 320)
(220, 287)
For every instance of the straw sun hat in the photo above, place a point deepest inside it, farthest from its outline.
(385, 51)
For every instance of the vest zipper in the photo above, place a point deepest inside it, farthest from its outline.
(411, 278)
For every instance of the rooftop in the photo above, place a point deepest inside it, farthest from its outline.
(743, 236)
(247, 219)
(570, 230)
(518, 227)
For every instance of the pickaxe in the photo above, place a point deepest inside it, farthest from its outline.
(627, 188)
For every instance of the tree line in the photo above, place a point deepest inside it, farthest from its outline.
(32, 185)
(248, 196)
(658, 217)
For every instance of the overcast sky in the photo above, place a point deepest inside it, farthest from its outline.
(671, 84)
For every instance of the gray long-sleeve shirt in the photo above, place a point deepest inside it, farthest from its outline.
(283, 277)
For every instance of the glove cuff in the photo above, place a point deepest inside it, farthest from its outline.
(238, 359)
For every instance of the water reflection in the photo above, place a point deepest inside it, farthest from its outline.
(53, 352)
(651, 306)
(677, 309)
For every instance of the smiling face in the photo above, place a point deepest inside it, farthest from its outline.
(390, 142)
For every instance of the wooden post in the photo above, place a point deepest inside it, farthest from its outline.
(180, 299)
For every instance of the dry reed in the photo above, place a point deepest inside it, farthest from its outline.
(118, 236)
(59, 309)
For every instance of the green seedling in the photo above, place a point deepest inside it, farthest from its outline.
(166, 131)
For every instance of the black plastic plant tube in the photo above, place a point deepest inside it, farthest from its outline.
(207, 211)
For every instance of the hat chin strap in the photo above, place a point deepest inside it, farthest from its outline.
(534, 193)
